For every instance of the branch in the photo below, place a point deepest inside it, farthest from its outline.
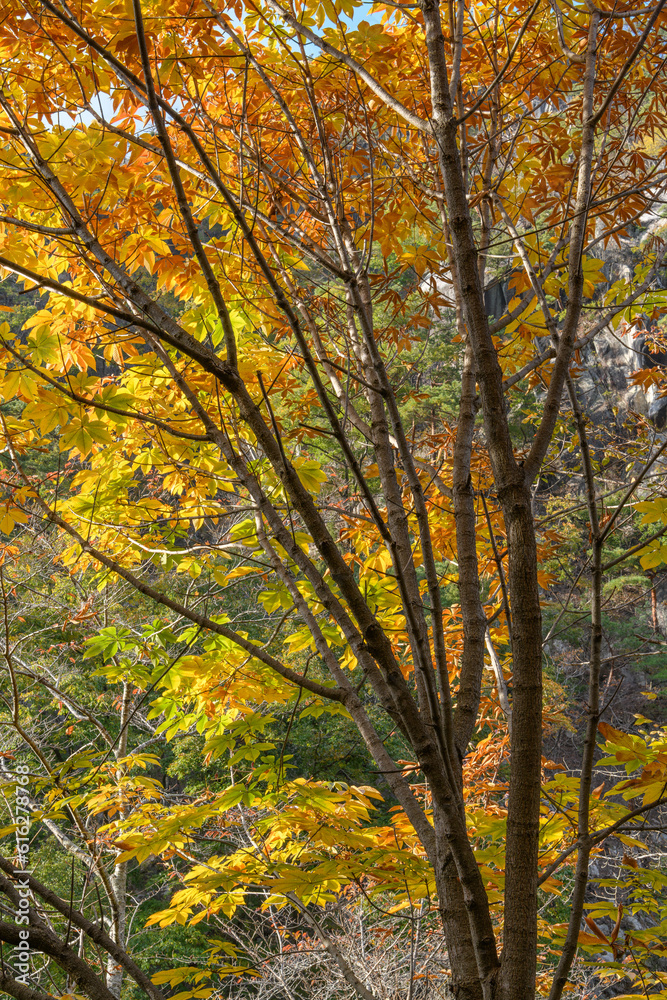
(85, 401)
(77, 710)
(631, 489)
(45, 941)
(598, 837)
(93, 931)
(168, 330)
(184, 208)
(414, 120)
(333, 949)
(574, 57)
(352, 702)
(552, 403)
(457, 32)
(204, 621)
(562, 973)
(501, 683)
(474, 619)
(18, 990)
(42, 281)
(628, 12)
(628, 64)
(635, 549)
(61, 837)
(501, 72)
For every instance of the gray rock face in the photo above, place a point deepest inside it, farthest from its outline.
(606, 383)
(622, 349)
(607, 390)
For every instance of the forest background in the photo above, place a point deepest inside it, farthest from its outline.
(333, 500)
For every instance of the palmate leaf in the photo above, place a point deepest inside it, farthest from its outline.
(11, 516)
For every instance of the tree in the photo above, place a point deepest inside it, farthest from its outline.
(242, 217)
(49, 696)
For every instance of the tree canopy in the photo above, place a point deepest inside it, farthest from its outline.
(297, 438)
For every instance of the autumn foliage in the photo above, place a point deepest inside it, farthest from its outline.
(247, 230)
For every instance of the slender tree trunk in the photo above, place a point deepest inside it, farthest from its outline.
(474, 619)
(584, 838)
(466, 984)
(654, 604)
(520, 936)
(114, 968)
(523, 810)
(118, 877)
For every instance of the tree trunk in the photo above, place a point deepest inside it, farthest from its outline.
(520, 935)
(114, 974)
(466, 984)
